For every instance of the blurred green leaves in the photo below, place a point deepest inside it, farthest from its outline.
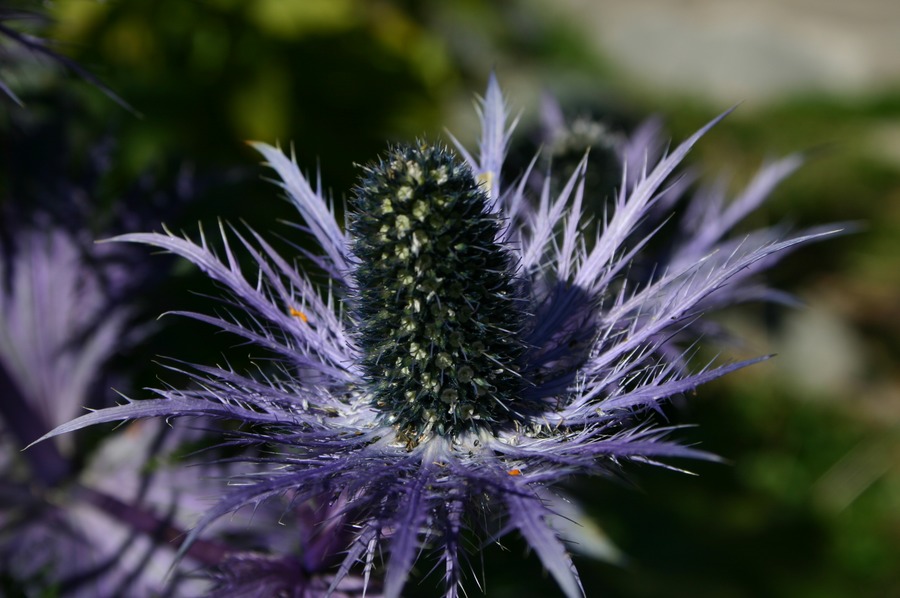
(339, 75)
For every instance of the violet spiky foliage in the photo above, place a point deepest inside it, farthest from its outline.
(57, 331)
(73, 521)
(474, 345)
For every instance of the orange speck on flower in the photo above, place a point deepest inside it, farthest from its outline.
(299, 314)
(514, 472)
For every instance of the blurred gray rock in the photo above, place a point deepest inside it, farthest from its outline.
(733, 50)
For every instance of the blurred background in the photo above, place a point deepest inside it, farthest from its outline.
(808, 503)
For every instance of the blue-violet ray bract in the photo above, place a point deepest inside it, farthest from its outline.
(476, 344)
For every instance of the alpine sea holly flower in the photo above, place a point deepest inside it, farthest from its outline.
(473, 347)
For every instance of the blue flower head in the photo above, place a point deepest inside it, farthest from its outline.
(476, 344)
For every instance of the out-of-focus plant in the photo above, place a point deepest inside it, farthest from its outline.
(23, 47)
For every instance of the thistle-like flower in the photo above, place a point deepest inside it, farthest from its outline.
(473, 347)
